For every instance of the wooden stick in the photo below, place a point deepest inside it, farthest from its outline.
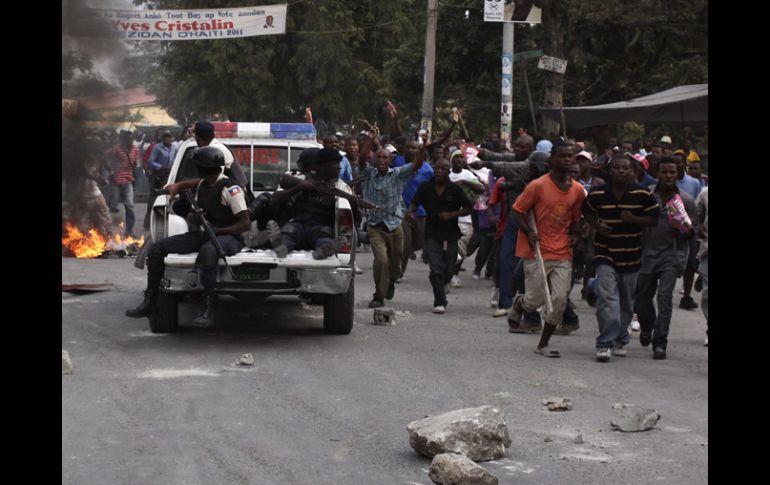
(541, 266)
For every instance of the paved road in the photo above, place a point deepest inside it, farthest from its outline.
(174, 409)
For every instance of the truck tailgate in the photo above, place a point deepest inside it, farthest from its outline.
(295, 259)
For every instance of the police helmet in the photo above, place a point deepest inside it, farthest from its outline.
(208, 157)
(306, 157)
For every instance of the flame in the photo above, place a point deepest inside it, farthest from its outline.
(89, 245)
(92, 244)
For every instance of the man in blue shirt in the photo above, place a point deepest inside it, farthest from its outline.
(160, 166)
(383, 187)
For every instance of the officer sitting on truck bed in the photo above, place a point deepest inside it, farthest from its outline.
(224, 205)
(313, 210)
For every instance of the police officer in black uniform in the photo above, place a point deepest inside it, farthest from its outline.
(224, 205)
(313, 211)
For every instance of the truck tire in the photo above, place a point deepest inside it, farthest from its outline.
(166, 320)
(338, 312)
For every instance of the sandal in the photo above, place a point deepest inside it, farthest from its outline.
(546, 352)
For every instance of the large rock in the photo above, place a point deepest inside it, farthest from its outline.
(451, 469)
(627, 417)
(479, 433)
(66, 363)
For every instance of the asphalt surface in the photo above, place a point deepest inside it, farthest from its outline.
(142, 408)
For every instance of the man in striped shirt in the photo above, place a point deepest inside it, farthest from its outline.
(618, 211)
(121, 158)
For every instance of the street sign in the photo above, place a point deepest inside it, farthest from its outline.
(554, 64)
(508, 11)
(533, 54)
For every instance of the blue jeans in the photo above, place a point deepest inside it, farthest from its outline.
(507, 262)
(123, 194)
(614, 305)
(663, 283)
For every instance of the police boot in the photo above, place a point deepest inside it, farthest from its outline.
(206, 316)
(147, 307)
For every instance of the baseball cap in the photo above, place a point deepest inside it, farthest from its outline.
(585, 154)
(204, 128)
(665, 139)
(391, 148)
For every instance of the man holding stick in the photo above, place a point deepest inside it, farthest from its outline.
(556, 202)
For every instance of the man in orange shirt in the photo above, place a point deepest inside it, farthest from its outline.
(556, 202)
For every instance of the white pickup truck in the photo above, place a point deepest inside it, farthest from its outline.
(266, 151)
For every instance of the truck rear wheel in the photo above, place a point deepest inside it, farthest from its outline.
(338, 312)
(166, 320)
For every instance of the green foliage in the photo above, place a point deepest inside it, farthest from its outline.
(346, 58)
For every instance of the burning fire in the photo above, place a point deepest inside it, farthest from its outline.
(92, 244)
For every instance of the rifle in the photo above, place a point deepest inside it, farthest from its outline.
(208, 229)
(206, 226)
(325, 189)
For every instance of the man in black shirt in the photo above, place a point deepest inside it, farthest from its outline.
(444, 202)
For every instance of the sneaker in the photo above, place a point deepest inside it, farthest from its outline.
(620, 350)
(603, 355)
(476, 276)
(455, 282)
(329, 248)
(439, 309)
(375, 303)
(276, 241)
(565, 329)
(635, 327)
(659, 353)
(495, 297)
(501, 312)
(688, 303)
(358, 269)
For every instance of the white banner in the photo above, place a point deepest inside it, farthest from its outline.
(554, 64)
(220, 23)
(512, 11)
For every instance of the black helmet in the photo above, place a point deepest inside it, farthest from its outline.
(208, 157)
(307, 156)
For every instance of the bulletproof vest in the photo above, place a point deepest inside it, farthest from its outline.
(209, 198)
(313, 206)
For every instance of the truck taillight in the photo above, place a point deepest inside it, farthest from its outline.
(345, 227)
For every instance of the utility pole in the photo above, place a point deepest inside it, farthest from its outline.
(426, 119)
(506, 105)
